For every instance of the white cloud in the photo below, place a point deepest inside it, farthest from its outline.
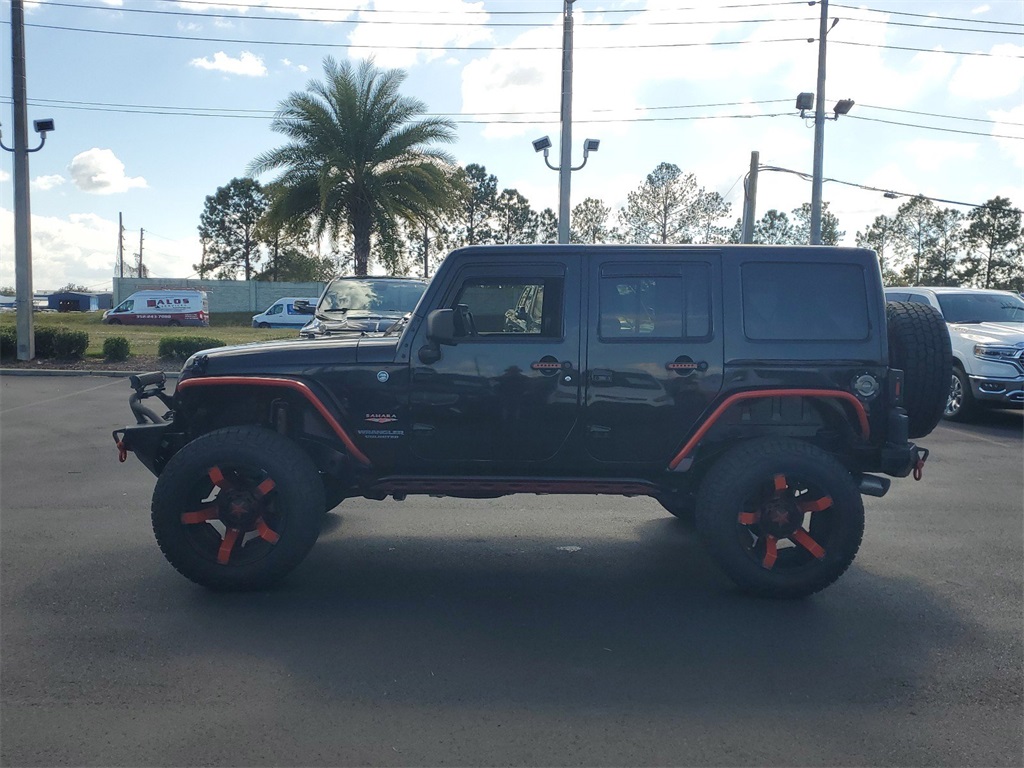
(248, 64)
(466, 28)
(289, 64)
(82, 248)
(99, 172)
(1008, 123)
(981, 78)
(981, 9)
(46, 183)
(933, 154)
(4, 175)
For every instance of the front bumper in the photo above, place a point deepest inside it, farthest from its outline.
(998, 392)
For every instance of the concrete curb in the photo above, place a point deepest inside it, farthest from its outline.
(67, 372)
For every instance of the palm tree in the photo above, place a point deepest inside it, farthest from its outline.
(358, 161)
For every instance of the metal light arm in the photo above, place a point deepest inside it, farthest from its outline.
(11, 149)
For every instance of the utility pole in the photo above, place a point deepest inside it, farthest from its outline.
(750, 198)
(120, 244)
(819, 129)
(141, 274)
(565, 164)
(22, 213)
(426, 250)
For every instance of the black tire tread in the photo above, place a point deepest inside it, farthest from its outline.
(919, 345)
(720, 496)
(293, 471)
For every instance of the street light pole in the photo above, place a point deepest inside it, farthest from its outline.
(22, 215)
(565, 164)
(819, 130)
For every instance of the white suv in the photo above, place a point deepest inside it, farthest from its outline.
(986, 329)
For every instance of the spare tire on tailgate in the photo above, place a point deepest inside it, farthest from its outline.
(919, 346)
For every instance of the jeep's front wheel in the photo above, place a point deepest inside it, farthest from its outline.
(782, 517)
(238, 508)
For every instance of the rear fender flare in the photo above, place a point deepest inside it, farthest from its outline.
(858, 407)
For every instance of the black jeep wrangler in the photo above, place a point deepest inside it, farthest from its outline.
(758, 391)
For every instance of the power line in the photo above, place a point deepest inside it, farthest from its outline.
(922, 50)
(935, 114)
(926, 15)
(271, 113)
(505, 49)
(467, 12)
(808, 177)
(532, 25)
(920, 26)
(303, 44)
(935, 128)
(535, 117)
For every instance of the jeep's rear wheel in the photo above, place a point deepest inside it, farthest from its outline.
(782, 517)
(238, 508)
(919, 346)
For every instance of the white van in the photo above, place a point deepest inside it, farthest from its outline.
(168, 307)
(283, 314)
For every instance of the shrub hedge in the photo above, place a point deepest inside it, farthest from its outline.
(69, 344)
(57, 342)
(46, 342)
(8, 342)
(116, 348)
(181, 347)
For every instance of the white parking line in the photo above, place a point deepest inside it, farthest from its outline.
(76, 393)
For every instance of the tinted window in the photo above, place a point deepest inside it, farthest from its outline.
(917, 298)
(981, 308)
(811, 302)
(672, 305)
(515, 305)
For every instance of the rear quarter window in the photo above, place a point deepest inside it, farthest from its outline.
(804, 302)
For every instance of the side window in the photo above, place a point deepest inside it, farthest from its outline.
(126, 306)
(804, 302)
(275, 310)
(671, 305)
(514, 306)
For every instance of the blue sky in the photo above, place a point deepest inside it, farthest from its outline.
(157, 103)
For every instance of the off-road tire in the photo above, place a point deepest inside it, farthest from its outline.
(293, 507)
(742, 484)
(919, 346)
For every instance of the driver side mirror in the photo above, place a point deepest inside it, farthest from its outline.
(441, 326)
(440, 330)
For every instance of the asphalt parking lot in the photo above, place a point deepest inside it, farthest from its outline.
(528, 630)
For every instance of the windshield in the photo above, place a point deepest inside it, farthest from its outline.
(386, 296)
(981, 308)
